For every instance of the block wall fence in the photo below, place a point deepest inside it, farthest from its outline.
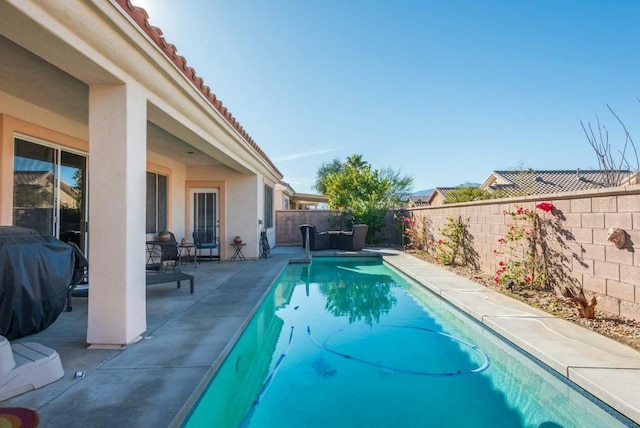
(288, 224)
(575, 235)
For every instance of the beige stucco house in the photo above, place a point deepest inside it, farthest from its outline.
(92, 93)
(288, 199)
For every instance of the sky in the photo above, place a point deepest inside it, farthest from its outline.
(443, 91)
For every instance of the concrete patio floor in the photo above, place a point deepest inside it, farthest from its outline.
(149, 383)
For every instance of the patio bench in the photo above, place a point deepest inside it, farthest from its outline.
(160, 278)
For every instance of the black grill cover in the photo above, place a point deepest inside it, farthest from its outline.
(35, 273)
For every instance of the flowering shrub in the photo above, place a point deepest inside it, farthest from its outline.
(519, 246)
(412, 239)
(453, 234)
(415, 231)
(545, 206)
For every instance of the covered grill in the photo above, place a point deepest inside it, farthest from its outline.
(35, 273)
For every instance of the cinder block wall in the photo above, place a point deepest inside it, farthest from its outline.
(288, 224)
(575, 235)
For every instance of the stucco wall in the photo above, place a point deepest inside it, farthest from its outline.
(576, 240)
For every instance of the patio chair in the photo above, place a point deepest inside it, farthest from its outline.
(203, 239)
(163, 254)
(354, 240)
(317, 240)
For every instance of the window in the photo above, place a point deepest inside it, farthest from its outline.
(268, 207)
(156, 202)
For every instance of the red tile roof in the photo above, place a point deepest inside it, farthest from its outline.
(141, 17)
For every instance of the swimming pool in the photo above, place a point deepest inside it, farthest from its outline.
(348, 342)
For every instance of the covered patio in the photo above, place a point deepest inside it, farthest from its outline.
(107, 123)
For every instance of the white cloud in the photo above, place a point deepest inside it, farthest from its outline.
(294, 156)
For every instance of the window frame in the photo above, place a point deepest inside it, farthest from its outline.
(159, 224)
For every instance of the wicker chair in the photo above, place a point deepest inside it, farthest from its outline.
(354, 240)
(317, 240)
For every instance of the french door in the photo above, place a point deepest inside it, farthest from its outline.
(205, 211)
(49, 191)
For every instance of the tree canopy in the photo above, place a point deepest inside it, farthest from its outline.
(362, 192)
(466, 193)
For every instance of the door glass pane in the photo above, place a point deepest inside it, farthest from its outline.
(34, 186)
(205, 212)
(72, 193)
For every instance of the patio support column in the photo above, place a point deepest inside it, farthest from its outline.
(117, 207)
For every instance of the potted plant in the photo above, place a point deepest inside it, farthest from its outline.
(237, 240)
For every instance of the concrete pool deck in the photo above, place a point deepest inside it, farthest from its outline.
(150, 383)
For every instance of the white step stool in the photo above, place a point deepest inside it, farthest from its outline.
(26, 366)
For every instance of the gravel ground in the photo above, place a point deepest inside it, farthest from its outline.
(623, 330)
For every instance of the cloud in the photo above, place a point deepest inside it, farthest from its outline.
(294, 156)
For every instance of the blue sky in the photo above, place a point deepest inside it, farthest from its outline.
(444, 91)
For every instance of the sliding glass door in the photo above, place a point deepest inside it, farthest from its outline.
(49, 191)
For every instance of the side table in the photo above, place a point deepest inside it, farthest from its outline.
(237, 254)
(185, 250)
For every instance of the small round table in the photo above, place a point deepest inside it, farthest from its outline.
(182, 248)
(237, 254)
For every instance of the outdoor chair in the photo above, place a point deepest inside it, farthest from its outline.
(203, 239)
(163, 254)
(317, 240)
(354, 240)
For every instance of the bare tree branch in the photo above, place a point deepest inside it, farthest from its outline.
(615, 171)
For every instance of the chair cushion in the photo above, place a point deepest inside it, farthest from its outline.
(207, 245)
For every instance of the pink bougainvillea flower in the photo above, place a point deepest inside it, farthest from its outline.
(501, 241)
(439, 241)
(527, 279)
(545, 206)
(501, 263)
(496, 280)
(519, 210)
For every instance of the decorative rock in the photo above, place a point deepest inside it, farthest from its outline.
(617, 236)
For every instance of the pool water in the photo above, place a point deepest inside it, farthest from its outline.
(350, 342)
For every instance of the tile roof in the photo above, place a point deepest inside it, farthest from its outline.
(141, 17)
(513, 183)
(444, 191)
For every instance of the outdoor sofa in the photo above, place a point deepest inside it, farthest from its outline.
(353, 240)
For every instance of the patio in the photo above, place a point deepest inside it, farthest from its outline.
(148, 383)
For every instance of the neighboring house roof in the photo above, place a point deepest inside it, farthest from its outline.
(44, 180)
(417, 201)
(140, 16)
(517, 183)
(440, 191)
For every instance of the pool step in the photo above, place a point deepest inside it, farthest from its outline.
(26, 366)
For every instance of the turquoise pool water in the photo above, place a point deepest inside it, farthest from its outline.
(350, 342)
